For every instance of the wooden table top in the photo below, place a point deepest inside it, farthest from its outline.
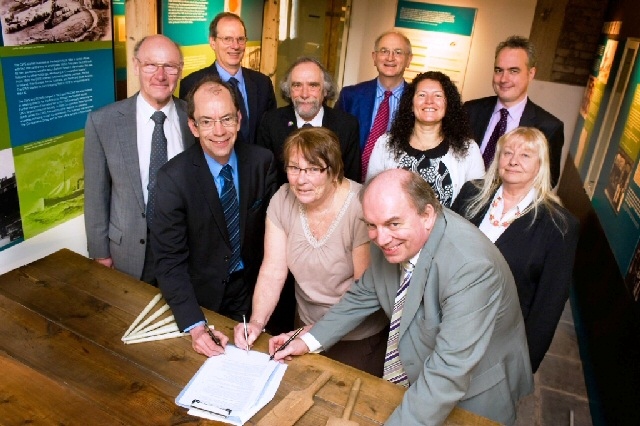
(62, 360)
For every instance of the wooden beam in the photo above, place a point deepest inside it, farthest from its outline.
(140, 21)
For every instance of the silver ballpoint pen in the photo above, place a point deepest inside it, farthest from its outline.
(246, 332)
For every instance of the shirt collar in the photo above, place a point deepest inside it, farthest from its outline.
(514, 111)
(216, 167)
(226, 75)
(396, 92)
(315, 121)
(145, 111)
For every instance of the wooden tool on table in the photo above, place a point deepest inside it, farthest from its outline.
(293, 406)
(344, 420)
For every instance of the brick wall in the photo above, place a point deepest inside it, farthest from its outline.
(578, 41)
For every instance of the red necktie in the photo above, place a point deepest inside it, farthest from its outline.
(379, 127)
(490, 149)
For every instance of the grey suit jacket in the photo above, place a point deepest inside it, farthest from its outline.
(114, 206)
(462, 337)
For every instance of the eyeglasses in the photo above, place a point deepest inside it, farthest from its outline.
(387, 52)
(229, 40)
(208, 123)
(310, 171)
(151, 68)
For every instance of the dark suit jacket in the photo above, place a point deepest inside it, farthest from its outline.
(189, 234)
(479, 112)
(359, 101)
(462, 340)
(541, 258)
(114, 208)
(260, 95)
(278, 124)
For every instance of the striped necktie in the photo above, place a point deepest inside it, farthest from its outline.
(156, 160)
(380, 123)
(229, 201)
(393, 369)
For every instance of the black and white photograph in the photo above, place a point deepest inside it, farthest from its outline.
(10, 221)
(54, 21)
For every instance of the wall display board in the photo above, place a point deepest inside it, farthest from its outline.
(440, 38)
(187, 23)
(616, 198)
(598, 110)
(56, 65)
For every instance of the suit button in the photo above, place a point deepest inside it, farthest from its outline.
(141, 240)
(143, 215)
(226, 258)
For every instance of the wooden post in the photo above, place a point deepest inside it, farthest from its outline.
(140, 21)
(269, 55)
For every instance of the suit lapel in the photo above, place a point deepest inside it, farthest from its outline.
(208, 189)
(245, 182)
(184, 125)
(484, 116)
(367, 102)
(126, 127)
(517, 229)
(252, 90)
(419, 278)
(528, 115)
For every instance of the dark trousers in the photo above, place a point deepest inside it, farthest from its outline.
(149, 268)
(236, 301)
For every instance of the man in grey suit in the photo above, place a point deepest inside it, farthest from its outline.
(117, 157)
(457, 336)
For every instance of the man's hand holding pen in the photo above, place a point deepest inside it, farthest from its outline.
(282, 347)
(207, 341)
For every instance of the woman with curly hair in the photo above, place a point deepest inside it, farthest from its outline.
(430, 135)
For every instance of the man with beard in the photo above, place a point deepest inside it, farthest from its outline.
(307, 85)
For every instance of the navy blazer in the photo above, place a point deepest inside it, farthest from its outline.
(479, 112)
(260, 95)
(278, 124)
(189, 234)
(359, 101)
(541, 259)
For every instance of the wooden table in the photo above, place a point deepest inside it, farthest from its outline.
(62, 360)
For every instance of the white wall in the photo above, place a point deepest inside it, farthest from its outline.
(69, 235)
(495, 21)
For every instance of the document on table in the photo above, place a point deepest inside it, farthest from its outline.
(233, 387)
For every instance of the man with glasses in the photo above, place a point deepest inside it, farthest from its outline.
(121, 162)
(228, 39)
(208, 231)
(375, 102)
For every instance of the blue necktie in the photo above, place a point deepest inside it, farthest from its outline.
(229, 201)
(157, 159)
(244, 123)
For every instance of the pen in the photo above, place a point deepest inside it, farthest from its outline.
(213, 336)
(289, 340)
(246, 334)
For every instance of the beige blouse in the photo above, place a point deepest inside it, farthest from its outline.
(323, 269)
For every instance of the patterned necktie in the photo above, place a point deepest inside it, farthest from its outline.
(393, 369)
(380, 124)
(229, 201)
(490, 149)
(244, 123)
(156, 160)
